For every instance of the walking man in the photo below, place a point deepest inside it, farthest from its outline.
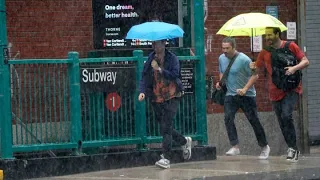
(161, 84)
(283, 102)
(240, 94)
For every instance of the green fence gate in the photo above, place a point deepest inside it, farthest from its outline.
(43, 107)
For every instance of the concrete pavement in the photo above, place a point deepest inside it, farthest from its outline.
(225, 167)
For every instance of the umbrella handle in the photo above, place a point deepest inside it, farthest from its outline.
(252, 50)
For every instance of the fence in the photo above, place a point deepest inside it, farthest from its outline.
(44, 109)
(51, 110)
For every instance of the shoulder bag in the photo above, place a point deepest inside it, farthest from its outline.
(218, 95)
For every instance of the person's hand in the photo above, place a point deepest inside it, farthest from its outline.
(218, 86)
(253, 65)
(242, 91)
(141, 97)
(155, 65)
(290, 70)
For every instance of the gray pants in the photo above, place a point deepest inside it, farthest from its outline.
(249, 107)
(164, 114)
(284, 109)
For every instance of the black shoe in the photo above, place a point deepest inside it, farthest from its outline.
(293, 155)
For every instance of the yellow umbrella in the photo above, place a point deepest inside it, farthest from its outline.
(250, 24)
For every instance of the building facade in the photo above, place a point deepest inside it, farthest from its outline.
(312, 47)
(50, 29)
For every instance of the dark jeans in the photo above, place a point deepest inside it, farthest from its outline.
(284, 109)
(165, 113)
(249, 107)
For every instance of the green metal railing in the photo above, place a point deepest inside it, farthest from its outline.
(41, 93)
(49, 111)
(40, 100)
(43, 109)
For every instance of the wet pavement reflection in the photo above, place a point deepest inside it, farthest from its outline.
(225, 167)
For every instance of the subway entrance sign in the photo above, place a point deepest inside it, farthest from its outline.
(108, 77)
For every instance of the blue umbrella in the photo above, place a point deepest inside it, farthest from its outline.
(154, 31)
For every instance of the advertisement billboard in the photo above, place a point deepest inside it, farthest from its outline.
(112, 19)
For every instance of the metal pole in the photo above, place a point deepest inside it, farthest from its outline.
(140, 107)
(75, 99)
(200, 86)
(303, 101)
(5, 89)
(180, 20)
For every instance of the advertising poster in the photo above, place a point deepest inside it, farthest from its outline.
(112, 20)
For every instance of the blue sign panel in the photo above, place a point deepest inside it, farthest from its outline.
(272, 10)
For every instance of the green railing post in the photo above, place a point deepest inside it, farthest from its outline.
(5, 90)
(200, 89)
(75, 99)
(140, 107)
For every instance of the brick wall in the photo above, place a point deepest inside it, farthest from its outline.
(49, 28)
(52, 28)
(220, 12)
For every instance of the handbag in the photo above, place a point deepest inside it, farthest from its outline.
(218, 95)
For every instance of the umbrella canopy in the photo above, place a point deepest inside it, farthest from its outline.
(154, 31)
(250, 24)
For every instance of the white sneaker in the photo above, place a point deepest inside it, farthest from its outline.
(163, 162)
(265, 152)
(186, 149)
(233, 151)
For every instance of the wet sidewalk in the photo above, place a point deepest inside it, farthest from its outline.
(224, 168)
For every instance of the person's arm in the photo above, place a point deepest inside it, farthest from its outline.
(303, 63)
(220, 74)
(142, 83)
(250, 82)
(142, 86)
(258, 64)
(254, 77)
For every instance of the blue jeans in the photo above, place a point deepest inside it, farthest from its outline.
(284, 109)
(249, 107)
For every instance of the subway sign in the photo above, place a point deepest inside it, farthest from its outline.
(108, 77)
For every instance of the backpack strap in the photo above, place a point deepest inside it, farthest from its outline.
(225, 74)
(269, 48)
(286, 46)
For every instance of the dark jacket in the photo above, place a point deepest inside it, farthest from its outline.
(170, 71)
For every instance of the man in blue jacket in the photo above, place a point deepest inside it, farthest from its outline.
(161, 84)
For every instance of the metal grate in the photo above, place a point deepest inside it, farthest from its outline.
(40, 103)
